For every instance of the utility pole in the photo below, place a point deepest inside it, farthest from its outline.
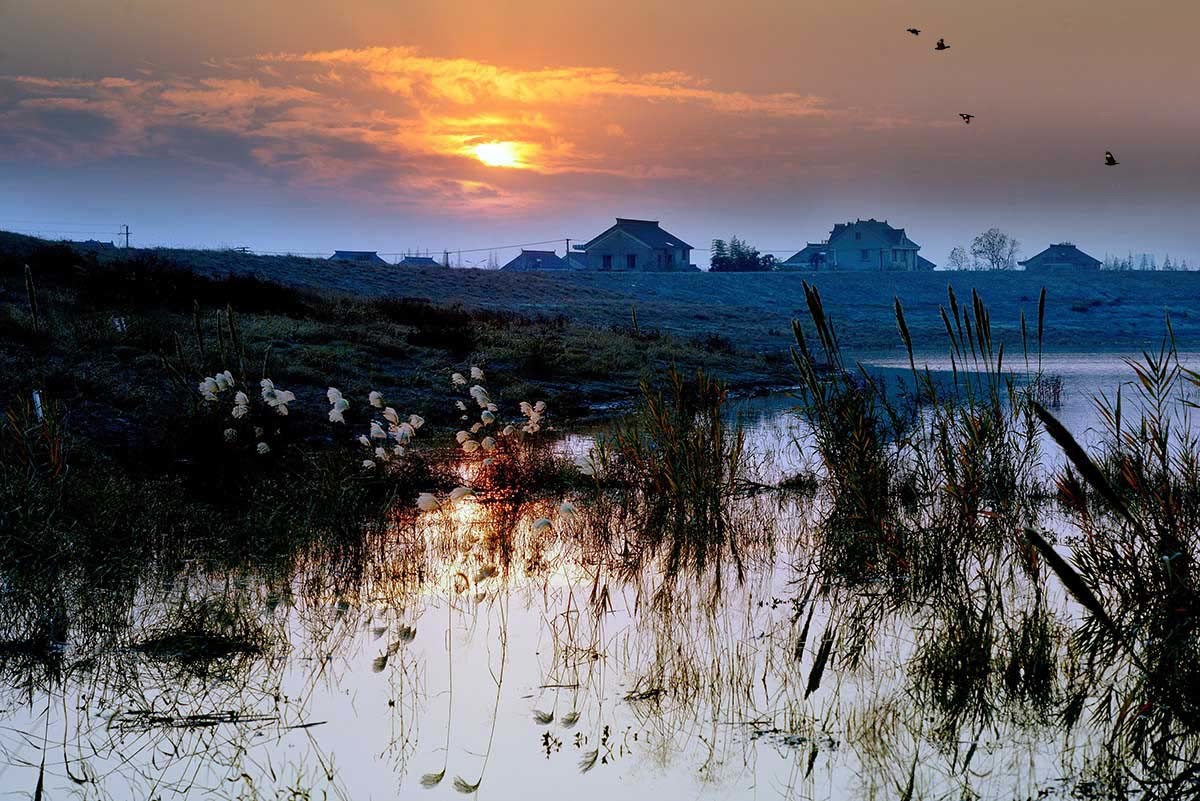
(125, 233)
(445, 258)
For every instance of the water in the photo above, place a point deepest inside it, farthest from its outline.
(527, 662)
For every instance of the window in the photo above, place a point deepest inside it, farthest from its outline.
(631, 262)
(607, 261)
(865, 254)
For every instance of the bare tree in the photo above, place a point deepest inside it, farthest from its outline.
(995, 250)
(958, 258)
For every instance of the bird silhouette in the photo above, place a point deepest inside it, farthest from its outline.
(967, 118)
(1109, 161)
(914, 31)
(941, 45)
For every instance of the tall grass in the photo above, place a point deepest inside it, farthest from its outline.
(680, 462)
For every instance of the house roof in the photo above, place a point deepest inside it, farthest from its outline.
(925, 264)
(536, 260)
(648, 232)
(873, 229)
(1064, 254)
(355, 255)
(419, 261)
(806, 255)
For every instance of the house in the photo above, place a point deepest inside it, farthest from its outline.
(92, 246)
(1063, 256)
(576, 259)
(861, 246)
(528, 260)
(419, 261)
(357, 256)
(639, 245)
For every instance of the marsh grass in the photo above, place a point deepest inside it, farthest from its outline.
(679, 463)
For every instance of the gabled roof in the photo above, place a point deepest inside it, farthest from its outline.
(419, 261)
(806, 256)
(536, 260)
(925, 264)
(874, 229)
(647, 232)
(1064, 254)
(355, 255)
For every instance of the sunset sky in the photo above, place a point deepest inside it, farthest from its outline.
(307, 126)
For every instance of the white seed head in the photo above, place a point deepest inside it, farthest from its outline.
(263, 449)
(428, 502)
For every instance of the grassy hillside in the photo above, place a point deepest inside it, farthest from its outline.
(1106, 311)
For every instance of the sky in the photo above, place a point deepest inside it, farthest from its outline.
(305, 126)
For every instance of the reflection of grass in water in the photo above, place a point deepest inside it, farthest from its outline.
(679, 463)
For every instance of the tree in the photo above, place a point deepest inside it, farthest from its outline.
(995, 250)
(738, 256)
(718, 256)
(958, 259)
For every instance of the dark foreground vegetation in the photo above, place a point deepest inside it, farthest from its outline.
(151, 538)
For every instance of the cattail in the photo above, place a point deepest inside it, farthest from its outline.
(509, 431)
(488, 444)
(416, 421)
(475, 429)
(470, 446)
(540, 407)
(476, 374)
(375, 399)
(462, 436)
(428, 502)
(377, 431)
(480, 395)
(488, 418)
(458, 493)
(390, 415)
(458, 380)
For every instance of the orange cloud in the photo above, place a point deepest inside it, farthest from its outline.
(412, 123)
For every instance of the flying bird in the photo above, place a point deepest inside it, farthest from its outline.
(1109, 161)
(967, 118)
(914, 31)
(941, 45)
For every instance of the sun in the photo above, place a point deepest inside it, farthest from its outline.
(499, 154)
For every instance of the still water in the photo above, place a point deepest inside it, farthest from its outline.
(467, 652)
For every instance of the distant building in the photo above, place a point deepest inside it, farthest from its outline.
(576, 260)
(536, 260)
(861, 246)
(419, 261)
(1061, 257)
(639, 245)
(357, 256)
(92, 246)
